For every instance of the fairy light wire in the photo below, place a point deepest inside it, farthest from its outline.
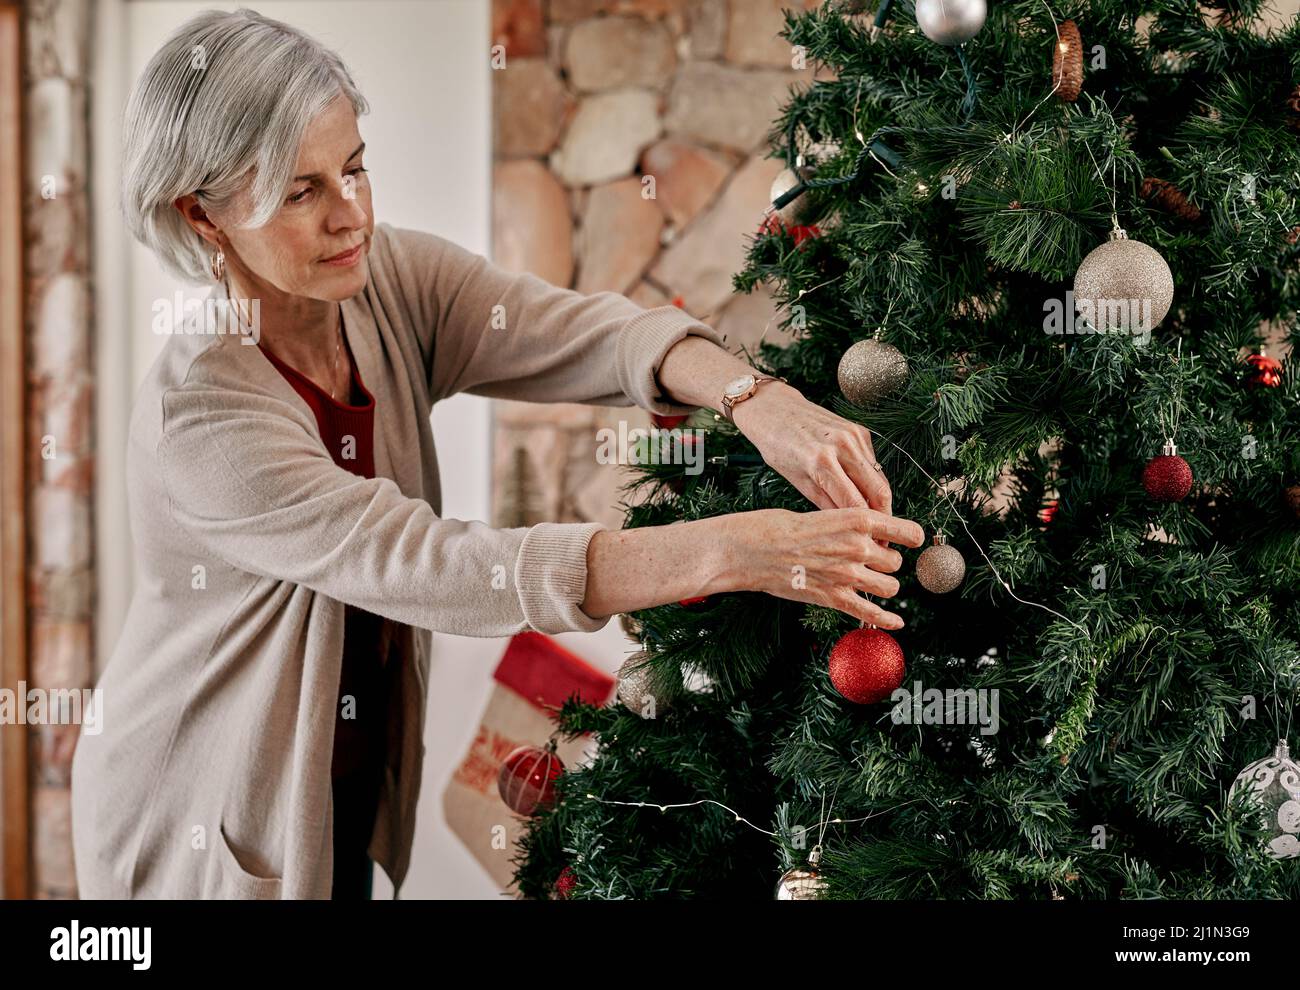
(961, 519)
(741, 818)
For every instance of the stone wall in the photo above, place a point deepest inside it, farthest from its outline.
(594, 96)
(60, 466)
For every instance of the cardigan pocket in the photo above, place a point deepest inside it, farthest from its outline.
(236, 882)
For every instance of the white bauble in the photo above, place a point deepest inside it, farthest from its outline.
(950, 22)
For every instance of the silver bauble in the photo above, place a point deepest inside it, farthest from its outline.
(640, 689)
(795, 213)
(871, 370)
(630, 625)
(1123, 285)
(941, 567)
(803, 883)
(1273, 784)
(950, 22)
(800, 884)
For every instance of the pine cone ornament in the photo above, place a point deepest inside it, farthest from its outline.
(1293, 110)
(963, 363)
(1169, 198)
(1293, 500)
(1067, 63)
(1226, 12)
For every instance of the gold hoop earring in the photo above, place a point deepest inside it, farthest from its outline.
(217, 264)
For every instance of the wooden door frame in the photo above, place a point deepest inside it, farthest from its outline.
(15, 827)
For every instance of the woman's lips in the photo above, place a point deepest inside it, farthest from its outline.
(348, 258)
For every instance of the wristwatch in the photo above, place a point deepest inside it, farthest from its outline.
(740, 389)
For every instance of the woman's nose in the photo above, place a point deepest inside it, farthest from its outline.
(348, 212)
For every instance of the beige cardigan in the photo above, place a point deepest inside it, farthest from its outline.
(211, 777)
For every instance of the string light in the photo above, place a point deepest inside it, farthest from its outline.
(740, 818)
(960, 518)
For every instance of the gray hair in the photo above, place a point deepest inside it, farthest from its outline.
(225, 99)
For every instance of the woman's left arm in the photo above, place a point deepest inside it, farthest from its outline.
(829, 459)
(512, 335)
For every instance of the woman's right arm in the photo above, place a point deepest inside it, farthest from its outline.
(250, 486)
(822, 557)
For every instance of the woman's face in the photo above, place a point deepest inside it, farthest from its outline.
(326, 212)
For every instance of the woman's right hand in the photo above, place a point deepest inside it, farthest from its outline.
(824, 557)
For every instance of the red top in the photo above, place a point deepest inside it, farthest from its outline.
(348, 434)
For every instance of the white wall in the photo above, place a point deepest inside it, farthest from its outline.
(423, 66)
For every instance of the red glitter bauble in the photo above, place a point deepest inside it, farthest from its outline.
(1265, 372)
(1167, 478)
(772, 224)
(565, 884)
(1048, 511)
(694, 601)
(668, 422)
(527, 779)
(867, 665)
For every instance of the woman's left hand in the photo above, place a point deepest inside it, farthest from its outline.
(827, 458)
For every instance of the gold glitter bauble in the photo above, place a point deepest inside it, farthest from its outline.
(871, 370)
(1123, 285)
(795, 213)
(941, 567)
(640, 689)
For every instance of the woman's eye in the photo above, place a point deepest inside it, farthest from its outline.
(299, 197)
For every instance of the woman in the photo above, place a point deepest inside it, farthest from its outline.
(264, 707)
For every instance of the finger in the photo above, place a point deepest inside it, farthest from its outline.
(868, 475)
(874, 583)
(874, 461)
(884, 559)
(895, 529)
(813, 492)
(835, 483)
(881, 498)
(866, 611)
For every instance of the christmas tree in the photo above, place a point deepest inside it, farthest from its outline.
(1048, 255)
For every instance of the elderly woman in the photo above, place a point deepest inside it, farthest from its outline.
(264, 707)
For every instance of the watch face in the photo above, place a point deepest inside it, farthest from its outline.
(739, 385)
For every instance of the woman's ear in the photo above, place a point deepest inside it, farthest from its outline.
(197, 217)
